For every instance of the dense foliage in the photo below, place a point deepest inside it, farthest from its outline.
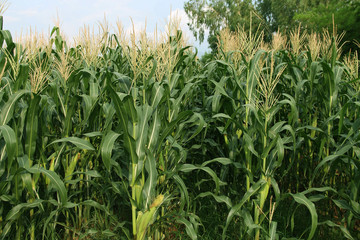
(117, 139)
(273, 15)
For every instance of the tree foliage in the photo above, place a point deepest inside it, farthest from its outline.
(273, 15)
(345, 14)
(213, 15)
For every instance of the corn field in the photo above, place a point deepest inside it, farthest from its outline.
(133, 137)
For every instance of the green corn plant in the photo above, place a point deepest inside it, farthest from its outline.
(299, 115)
(143, 140)
(108, 139)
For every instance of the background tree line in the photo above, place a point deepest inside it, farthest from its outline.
(273, 15)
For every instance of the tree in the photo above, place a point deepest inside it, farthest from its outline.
(313, 16)
(346, 16)
(213, 15)
(271, 15)
(280, 14)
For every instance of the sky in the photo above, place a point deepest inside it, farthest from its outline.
(73, 14)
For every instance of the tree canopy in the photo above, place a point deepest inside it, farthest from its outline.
(271, 15)
(213, 15)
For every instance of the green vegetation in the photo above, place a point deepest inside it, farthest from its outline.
(273, 15)
(135, 138)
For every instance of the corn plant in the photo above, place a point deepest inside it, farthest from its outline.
(134, 138)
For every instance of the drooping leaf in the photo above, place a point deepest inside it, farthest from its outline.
(55, 180)
(107, 147)
(189, 228)
(302, 199)
(10, 141)
(7, 110)
(78, 142)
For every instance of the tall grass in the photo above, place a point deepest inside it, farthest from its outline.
(118, 136)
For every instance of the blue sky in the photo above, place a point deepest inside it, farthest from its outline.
(40, 14)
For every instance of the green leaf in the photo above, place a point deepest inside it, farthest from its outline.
(90, 173)
(330, 158)
(252, 190)
(123, 115)
(310, 128)
(219, 199)
(150, 184)
(23, 74)
(94, 204)
(16, 211)
(189, 228)
(196, 119)
(220, 88)
(156, 94)
(172, 126)
(32, 126)
(48, 219)
(55, 179)
(92, 134)
(8, 39)
(223, 161)
(221, 115)
(144, 114)
(7, 228)
(189, 167)
(69, 111)
(7, 110)
(184, 192)
(342, 228)
(11, 145)
(107, 147)
(273, 227)
(276, 129)
(321, 189)
(70, 205)
(108, 233)
(250, 144)
(302, 199)
(88, 104)
(154, 131)
(78, 142)
(294, 115)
